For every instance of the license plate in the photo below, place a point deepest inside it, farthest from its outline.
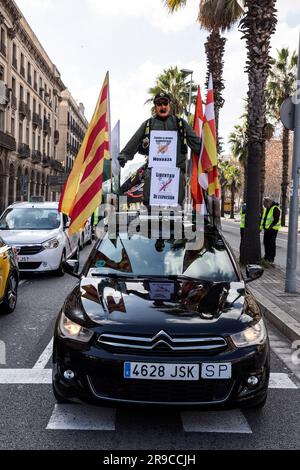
(159, 371)
(217, 370)
(23, 259)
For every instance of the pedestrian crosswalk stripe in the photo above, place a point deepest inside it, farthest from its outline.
(82, 417)
(281, 380)
(25, 376)
(224, 421)
(44, 376)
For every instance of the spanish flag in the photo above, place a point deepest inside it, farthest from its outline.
(82, 192)
(196, 190)
(208, 161)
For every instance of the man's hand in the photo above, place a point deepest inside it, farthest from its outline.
(122, 160)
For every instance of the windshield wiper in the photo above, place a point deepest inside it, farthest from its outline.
(114, 275)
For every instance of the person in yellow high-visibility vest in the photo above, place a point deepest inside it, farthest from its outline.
(270, 223)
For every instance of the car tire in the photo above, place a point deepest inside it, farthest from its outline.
(60, 271)
(10, 300)
(59, 398)
(81, 242)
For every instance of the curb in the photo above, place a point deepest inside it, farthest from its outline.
(275, 315)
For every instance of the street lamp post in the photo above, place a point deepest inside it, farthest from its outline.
(187, 72)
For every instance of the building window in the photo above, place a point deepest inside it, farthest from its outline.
(29, 78)
(22, 69)
(27, 135)
(34, 105)
(20, 132)
(13, 85)
(12, 127)
(33, 140)
(21, 93)
(28, 99)
(2, 73)
(1, 120)
(35, 85)
(14, 56)
(3, 43)
(39, 142)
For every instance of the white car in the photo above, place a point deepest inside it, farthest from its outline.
(86, 235)
(39, 234)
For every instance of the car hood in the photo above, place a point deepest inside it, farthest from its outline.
(171, 304)
(24, 237)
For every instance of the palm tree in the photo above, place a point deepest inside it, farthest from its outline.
(215, 16)
(281, 85)
(257, 25)
(233, 175)
(172, 81)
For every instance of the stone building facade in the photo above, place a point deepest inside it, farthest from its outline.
(31, 91)
(72, 128)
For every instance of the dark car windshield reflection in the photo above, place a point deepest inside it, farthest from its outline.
(143, 256)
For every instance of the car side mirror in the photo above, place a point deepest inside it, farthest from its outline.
(71, 266)
(253, 272)
(67, 224)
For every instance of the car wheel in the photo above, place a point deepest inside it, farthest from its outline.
(10, 300)
(81, 242)
(60, 271)
(59, 398)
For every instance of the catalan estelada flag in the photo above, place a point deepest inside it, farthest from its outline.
(82, 192)
(196, 190)
(208, 161)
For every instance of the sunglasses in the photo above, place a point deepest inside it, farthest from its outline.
(162, 103)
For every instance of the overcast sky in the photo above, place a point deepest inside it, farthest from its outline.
(135, 40)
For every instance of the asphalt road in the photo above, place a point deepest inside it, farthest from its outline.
(30, 419)
(231, 231)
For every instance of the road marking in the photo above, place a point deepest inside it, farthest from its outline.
(22, 281)
(25, 376)
(227, 421)
(44, 376)
(281, 380)
(44, 357)
(82, 417)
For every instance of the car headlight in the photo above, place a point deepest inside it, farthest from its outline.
(251, 336)
(72, 330)
(52, 243)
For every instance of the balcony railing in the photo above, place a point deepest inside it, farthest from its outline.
(36, 156)
(36, 121)
(22, 109)
(56, 165)
(46, 161)
(46, 127)
(7, 141)
(23, 150)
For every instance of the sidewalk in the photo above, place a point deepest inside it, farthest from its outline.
(280, 308)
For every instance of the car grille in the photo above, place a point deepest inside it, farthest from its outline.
(30, 249)
(23, 266)
(160, 391)
(161, 344)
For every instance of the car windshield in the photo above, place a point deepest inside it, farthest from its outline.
(30, 219)
(141, 256)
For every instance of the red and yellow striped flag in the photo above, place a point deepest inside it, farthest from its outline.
(208, 161)
(82, 192)
(196, 190)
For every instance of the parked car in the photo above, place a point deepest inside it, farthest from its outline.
(86, 234)
(9, 278)
(155, 322)
(39, 234)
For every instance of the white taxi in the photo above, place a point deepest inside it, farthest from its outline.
(40, 235)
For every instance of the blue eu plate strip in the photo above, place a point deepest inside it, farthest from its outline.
(127, 369)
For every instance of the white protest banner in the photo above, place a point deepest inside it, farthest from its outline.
(163, 149)
(164, 187)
